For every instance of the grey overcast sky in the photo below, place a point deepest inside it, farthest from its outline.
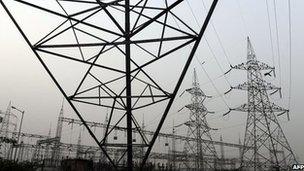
(27, 85)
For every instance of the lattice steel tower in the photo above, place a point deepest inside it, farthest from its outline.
(198, 128)
(266, 145)
(56, 153)
(4, 133)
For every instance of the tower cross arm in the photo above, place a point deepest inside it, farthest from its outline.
(264, 66)
(246, 86)
(243, 86)
(196, 91)
(242, 66)
(243, 108)
(198, 107)
(275, 108)
(253, 65)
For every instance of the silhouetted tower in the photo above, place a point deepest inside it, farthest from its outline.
(102, 155)
(173, 148)
(199, 129)
(240, 149)
(56, 150)
(47, 148)
(5, 126)
(222, 153)
(143, 127)
(79, 149)
(264, 141)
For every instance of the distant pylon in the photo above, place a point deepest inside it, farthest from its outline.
(4, 133)
(173, 148)
(56, 150)
(79, 149)
(266, 145)
(47, 149)
(102, 155)
(198, 128)
(222, 154)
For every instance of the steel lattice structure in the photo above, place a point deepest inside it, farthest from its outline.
(199, 129)
(56, 149)
(8, 133)
(91, 34)
(4, 132)
(270, 149)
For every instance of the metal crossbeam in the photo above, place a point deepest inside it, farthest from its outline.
(146, 132)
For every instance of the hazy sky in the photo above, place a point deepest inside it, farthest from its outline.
(27, 85)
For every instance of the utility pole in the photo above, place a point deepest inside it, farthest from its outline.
(79, 149)
(143, 127)
(173, 148)
(4, 147)
(199, 128)
(47, 149)
(56, 148)
(240, 149)
(102, 155)
(222, 163)
(20, 128)
(264, 138)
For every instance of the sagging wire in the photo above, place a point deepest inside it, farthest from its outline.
(290, 55)
(246, 32)
(208, 44)
(216, 89)
(217, 35)
(270, 32)
(278, 42)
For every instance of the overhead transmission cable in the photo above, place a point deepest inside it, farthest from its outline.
(270, 32)
(278, 41)
(210, 80)
(213, 84)
(202, 67)
(200, 63)
(290, 52)
(208, 76)
(246, 31)
(217, 35)
(208, 44)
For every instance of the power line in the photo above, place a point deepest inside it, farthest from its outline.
(270, 32)
(278, 42)
(214, 79)
(290, 52)
(208, 44)
(208, 76)
(217, 35)
(243, 19)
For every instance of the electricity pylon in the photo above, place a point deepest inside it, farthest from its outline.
(265, 145)
(112, 49)
(48, 150)
(4, 133)
(79, 147)
(56, 153)
(199, 129)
